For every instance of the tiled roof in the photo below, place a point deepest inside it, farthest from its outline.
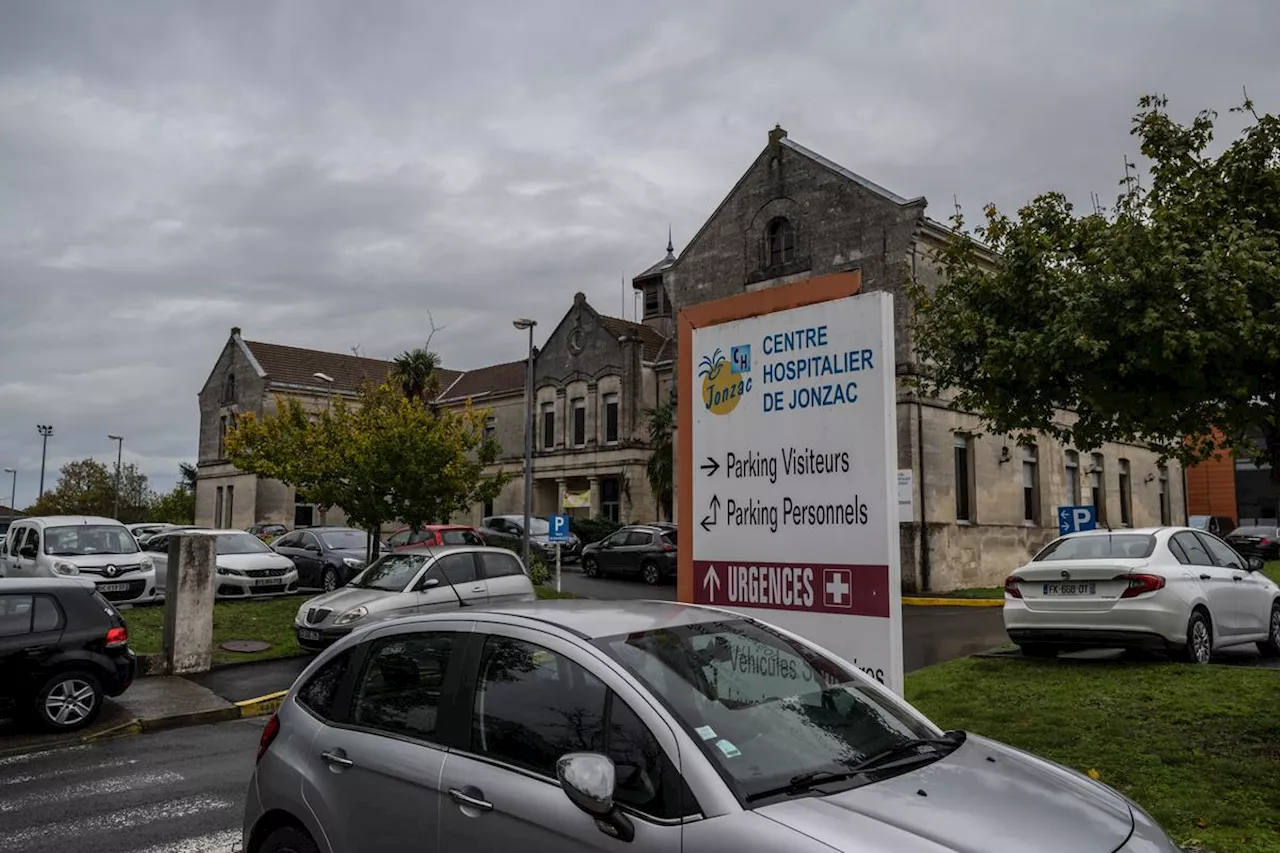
(654, 346)
(297, 366)
(656, 268)
(486, 381)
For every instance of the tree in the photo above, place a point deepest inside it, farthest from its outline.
(88, 487)
(417, 373)
(1157, 322)
(660, 469)
(386, 458)
(179, 505)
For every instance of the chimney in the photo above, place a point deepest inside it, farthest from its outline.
(777, 134)
(235, 331)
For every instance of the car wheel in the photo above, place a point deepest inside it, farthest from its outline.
(1199, 644)
(287, 839)
(330, 579)
(1270, 647)
(1038, 650)
(590, 567)
(651, 573)
(68, 701)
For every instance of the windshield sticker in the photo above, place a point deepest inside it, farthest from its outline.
(729, 750)
(706, 732)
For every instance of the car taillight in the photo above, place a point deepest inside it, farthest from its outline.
(667, 546)
(269, 733)
(117, 637)
(1264, 542)
(1139, 584)
(1011, 587)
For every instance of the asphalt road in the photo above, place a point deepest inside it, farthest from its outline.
(171, 792)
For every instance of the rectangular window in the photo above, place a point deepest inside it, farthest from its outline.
(217, 508)
(222, 437)
(1126, 495)
(1098, 490)
(1030, 485)
(1166, 511)
(548, 426)
(487, 509)
(1072, 464)
(964, 481)
(580, 422)
(610, 418)
(610, 505)
(491, 429)
(231, 504)
(652, 300)
(303, 514)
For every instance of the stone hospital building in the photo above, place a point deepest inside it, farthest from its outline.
(979, 504)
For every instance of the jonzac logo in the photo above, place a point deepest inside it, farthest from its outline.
(725, 380)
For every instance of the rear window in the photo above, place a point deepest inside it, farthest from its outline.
(459, 537)
(1268, 532)
(1125, 546)
(670, 536)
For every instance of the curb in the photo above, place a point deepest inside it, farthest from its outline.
(912, 601)
(260, 706)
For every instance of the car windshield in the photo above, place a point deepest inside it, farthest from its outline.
(537, 526)
(346, 540)
(241, 543)
(80, 540)
(764, 708)
(1264, 532)
(1099, 546)
(391, 573)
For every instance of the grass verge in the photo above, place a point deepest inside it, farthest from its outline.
(547, 593)
(269, 620)
(971, 592)
(1272, 570)
(1197, 747)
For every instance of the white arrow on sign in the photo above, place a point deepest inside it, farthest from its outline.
(711, 583)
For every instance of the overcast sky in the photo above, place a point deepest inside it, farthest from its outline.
(324, 173)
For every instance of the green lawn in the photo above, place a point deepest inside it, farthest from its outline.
(1272, 570)
(549, 592)
(270, 620)
(1198, 747)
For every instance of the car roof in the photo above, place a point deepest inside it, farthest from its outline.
(439, 550)
(69, 520)
(17, 585)
(594, 618)
(1146, 531)
(332, 528)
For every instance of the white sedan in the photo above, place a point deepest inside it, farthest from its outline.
(1163, 588)
(247, 567)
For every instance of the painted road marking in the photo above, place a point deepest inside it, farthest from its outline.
(98, 787)
(119, 820)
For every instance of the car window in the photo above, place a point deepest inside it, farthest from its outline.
(309, 540)
(158, 544)
(289, 540)
(76, 540)
(399, 690)
(618, 538)
(1223, 554)
(1178, 553)
(15, 615)
(639, 537)
(1263, 532)
(346, 540)
(670, 537)
(47, 615)
(453, 569)
(1193, 549)
(497, 565)
(391, 573)
(459, 537)
(532, 706)
(421, 537)
(241, 543)
(399, 538)
(496, 524)
(1099, 546)
(321, 690)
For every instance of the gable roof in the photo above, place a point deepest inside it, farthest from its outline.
(652, 342)
(488, 381)
(297, 366)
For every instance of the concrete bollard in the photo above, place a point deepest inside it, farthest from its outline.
(189, 595)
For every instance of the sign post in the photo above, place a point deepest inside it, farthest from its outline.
(788, 453)
(559, 535)
(1073, 519)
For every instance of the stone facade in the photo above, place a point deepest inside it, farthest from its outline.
(795, 215)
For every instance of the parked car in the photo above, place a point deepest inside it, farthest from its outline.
(432, 535)
(1218, 525)
(649, 552)
(580, 725)
(398, 584)
(63, 649)
(507, 531)
(268, 532)
(1164, 588)
(1263, 542)
(247, 567)
(147, 528)
(100, 549)
(326, 557)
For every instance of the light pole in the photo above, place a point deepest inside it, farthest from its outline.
(45, 431)
(119, 440)
(328, 380)
(13, 489)
(522, 324)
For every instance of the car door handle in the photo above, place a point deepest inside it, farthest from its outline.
(1206, 577)
(1237, 578)
(335, 760)
(464, 799)
(478, 588)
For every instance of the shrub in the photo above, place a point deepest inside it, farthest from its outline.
(593, 529)
(539, 573)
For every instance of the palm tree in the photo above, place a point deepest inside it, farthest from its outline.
(417, 371)
(660, 469)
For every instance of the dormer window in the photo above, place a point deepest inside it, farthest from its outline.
(655, 301)
(780, 243)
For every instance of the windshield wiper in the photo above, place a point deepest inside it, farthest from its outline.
(802, 782)
(905, 748)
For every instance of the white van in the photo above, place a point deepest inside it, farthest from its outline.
(100, 549)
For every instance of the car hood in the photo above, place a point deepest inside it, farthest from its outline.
(264, 560)
(345, 598)
(983, 798)
(98, 561)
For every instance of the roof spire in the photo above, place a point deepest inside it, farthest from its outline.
(671, 249)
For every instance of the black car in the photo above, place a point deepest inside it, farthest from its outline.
(326, 557)
(63, 649)
(507, 531)
(1261, 542)
(649, 552)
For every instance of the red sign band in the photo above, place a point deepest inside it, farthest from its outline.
(810, 587)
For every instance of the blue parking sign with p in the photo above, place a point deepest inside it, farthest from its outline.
(1073, 519)
(559, 528)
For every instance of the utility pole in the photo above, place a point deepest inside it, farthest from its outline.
(45, 431)
(119, 440)
(522, 324)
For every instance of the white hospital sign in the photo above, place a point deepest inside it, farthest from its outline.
(795, 481)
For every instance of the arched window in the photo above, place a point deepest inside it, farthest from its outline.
(229, 389)
(780, 243)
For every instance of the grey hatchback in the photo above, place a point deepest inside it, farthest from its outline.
(555, 727)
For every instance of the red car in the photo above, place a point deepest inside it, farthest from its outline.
(434, 534)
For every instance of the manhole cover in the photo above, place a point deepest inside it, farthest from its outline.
(245, 646)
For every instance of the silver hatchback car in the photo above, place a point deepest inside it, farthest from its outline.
(556, 727)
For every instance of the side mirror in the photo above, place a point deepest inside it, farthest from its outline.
(588, 780)
(1255, 564)
(429, 583)
(27, 552)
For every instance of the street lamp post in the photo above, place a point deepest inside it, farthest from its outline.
(45, 431)
(327, 380)
(522, 324)
(119, 440)
(13, 489)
